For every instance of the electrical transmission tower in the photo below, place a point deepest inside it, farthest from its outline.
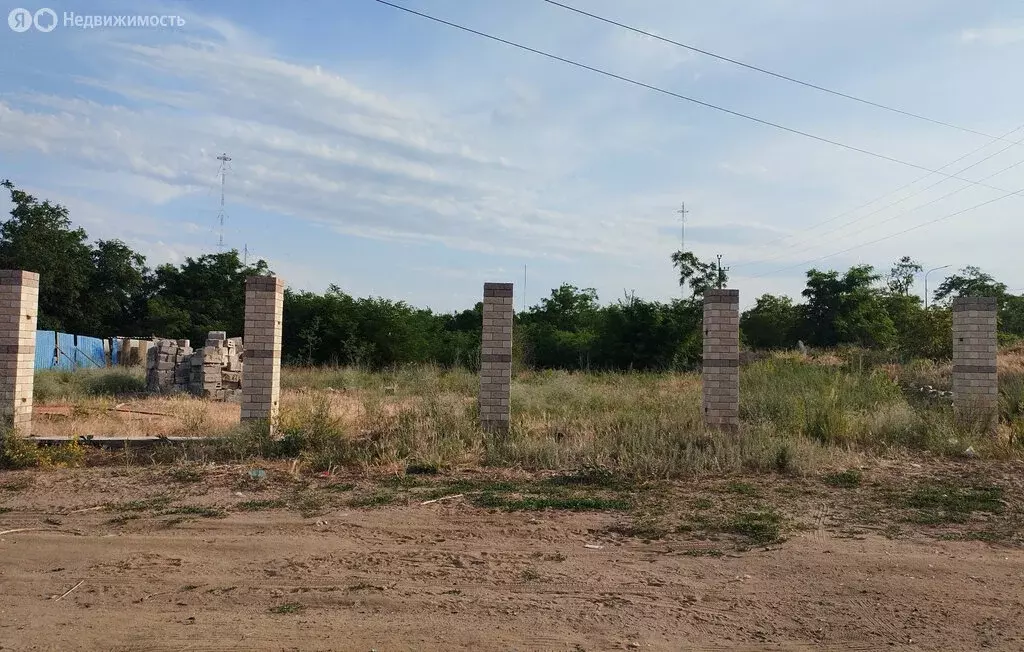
(682, 226)
(223, 172)
(682, 237)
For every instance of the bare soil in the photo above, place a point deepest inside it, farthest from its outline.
(213, 558)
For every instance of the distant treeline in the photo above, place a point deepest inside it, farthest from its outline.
(104, 288)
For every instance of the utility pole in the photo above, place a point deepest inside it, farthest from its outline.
(224, 160)
(934, 269)
(245, 255)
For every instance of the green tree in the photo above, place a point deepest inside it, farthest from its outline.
(969, 282)
(561, 331)
(1011, 316)
(204, 294)
(845, 309)
(771, 323)
(901, 276)
(117, 293)
(38, 238)
(700, 276)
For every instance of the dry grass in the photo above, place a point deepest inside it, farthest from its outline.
(800, 413)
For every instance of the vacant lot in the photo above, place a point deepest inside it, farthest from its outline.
(852, 510)
(224, 557)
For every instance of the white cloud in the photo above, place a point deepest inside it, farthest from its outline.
(503, 154)
(997, 36)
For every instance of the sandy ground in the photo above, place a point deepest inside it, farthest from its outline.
(449, 575)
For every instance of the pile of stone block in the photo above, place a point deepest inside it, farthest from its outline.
(214, 371)
(166, 366)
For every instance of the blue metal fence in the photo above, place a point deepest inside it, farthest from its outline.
(56, 350)
(65, 351)
(46, 343)
(89, 352)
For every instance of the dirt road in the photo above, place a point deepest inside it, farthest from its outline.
(448, 575)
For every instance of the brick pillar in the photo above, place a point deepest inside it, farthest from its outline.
(261, 380)
(19, 304)
(496, 358)
(720, 379)
(975, 382)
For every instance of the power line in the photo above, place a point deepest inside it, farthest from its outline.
(658, 89)
(934, 201)
(891, 204)
(893, 192)
(768, 72)
(893, 235)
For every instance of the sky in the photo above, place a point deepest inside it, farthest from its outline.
(396, 157)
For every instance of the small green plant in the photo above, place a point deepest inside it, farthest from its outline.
(141, 505)
(589, 476)
(536, 503)
(761, 528)
(847, 479)
(287, 608)
(16, 452)
(122, 519)
(742, 488)
(944, 503)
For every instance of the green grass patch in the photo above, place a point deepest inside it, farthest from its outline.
(987, 536)
(945, 503)
(760, 528)
(122, 519)
(741, 488)
(142, 505)
(537, 503)
(589, 476)
(287, 608)
(844, 479)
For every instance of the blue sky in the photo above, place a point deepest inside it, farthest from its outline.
(400, 158)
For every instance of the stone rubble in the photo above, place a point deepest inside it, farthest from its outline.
(213, 372)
